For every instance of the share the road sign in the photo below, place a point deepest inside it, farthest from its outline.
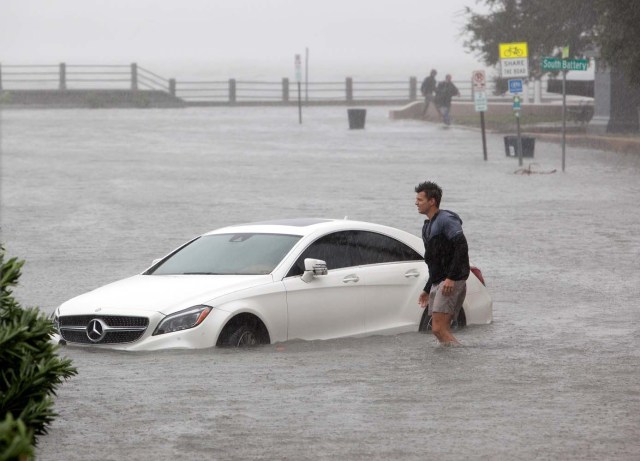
(514, 60)
(564, 64)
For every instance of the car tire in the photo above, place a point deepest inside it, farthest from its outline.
(244, 336)
(460, 322)
(425, 323)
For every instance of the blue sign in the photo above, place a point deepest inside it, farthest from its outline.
(515, 86)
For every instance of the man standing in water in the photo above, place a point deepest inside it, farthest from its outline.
(445, 91)
(427, 88)
(447, 257)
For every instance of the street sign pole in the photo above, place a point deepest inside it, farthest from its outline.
(298, 65)
(478, 80)
(514, 64)
(564, 117)
(564, 65)
(519, 138)
(484, 136)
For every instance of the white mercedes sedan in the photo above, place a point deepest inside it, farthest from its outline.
(264, 283)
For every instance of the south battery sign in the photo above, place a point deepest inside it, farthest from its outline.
(555, 64)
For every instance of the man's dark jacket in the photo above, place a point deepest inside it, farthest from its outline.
(446, 250)
(428, 86)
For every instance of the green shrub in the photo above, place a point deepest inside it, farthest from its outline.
(15, 440)
(6, 97)
(30, 370)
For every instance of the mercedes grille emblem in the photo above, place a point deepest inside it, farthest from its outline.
(96, 330)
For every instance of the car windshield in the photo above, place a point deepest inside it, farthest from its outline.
(226, 254)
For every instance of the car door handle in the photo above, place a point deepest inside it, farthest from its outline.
(351, 278)
(412, 273)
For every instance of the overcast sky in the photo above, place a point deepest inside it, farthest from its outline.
(191, 36)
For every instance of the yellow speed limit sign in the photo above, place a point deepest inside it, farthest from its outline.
(513, 50)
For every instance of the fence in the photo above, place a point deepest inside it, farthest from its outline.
(232, 91)
(65, 77)
(212, 92)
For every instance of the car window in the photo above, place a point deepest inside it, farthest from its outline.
(241, 253)
(338, 250)
(377, 249)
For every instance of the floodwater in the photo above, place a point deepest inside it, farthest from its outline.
(89, 197)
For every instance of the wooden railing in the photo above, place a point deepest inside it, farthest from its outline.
(66, 77)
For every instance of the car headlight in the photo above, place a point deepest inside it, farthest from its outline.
(183, 320)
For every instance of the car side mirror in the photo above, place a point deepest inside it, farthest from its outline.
(313, 268)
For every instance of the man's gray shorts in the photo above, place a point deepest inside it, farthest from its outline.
(450, 304)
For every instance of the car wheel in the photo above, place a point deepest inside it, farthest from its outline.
(425, 323)
(460, 322)
(244, 336)
(244, 330)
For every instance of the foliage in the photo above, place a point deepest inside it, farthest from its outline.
(617, 35)
(609, 27)
(31, 371)
(546, 26)
(5, 97)
(15, 439)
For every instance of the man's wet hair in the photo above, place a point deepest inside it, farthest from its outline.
(431, 190)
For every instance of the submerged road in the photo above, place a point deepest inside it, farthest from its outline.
(88, 197)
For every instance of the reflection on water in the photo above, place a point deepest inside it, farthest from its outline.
(92, 196)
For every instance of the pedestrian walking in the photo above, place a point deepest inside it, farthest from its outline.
(427, 89)
(447, 257)
(444, 92)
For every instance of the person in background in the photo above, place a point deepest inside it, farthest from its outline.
(447, 257)
(427, 88)
(444, 92)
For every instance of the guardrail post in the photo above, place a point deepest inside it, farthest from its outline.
(134, 76)
(232, 90)
(285, 90)
(0, 77)
(172, 86)
(63, 76)
(413, 88)
(349, 89)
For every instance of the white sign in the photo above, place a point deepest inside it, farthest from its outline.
(478, 80)
(298, 68)
(480, 100)
(514, 67)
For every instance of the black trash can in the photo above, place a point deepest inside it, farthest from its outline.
(356, 118)
(511, 146)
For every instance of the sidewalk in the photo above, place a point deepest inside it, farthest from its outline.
(579, 137)
(577, 134)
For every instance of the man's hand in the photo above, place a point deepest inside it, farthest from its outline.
(423, 300)
(447, 287)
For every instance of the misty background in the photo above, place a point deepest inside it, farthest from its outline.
(242, 38)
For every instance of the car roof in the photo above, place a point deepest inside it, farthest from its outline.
(305, 226)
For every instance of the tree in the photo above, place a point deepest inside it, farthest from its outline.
(546, 25)
(30, 370)
(617, 36)
(609, 27)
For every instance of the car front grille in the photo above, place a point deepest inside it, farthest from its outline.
(102, 329)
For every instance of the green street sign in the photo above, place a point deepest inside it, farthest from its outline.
(516, 103)
(564, 64)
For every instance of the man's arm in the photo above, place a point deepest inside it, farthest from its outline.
(460, 258)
